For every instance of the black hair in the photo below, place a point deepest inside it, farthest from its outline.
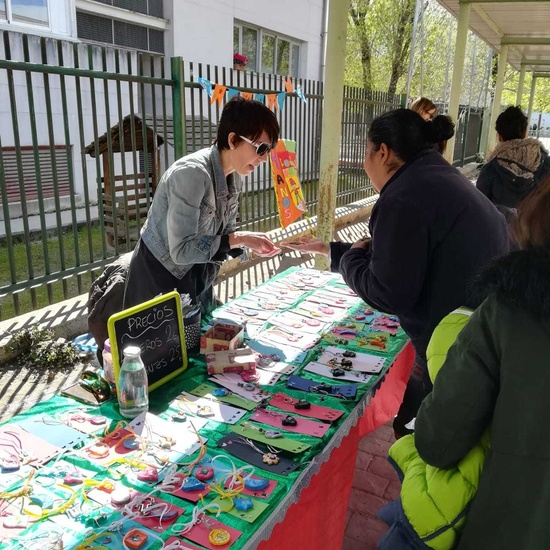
(511, 124)
(445, 128)
(246, 118)
(405, 132)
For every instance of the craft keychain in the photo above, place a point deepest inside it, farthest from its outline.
(290, 423)
(206, 530)
(305, 408)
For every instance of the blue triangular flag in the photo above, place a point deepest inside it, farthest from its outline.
(206, 85)
(281, 96)
(231, 92)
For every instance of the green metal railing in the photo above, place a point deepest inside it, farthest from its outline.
(101, 106)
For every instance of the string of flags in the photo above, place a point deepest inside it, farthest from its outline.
(275, 101)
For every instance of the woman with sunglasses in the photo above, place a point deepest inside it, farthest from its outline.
(191, 225)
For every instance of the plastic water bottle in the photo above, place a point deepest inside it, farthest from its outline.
(133, 388)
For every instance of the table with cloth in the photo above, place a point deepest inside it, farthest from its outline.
(307, 508)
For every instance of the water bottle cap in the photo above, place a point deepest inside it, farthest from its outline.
(131, 351)
(107, 346)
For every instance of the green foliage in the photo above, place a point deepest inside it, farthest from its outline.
(36, 347)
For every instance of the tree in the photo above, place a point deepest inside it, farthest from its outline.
(359, 28)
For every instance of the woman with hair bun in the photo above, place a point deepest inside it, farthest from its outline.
(445, 127)
(431, 232)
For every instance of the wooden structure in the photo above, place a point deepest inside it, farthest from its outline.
(126, 197)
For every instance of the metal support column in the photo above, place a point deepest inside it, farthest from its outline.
(458, 69)
(531, 98)
(502, 59)
(331, 127)
(178, 108)
(519, 95)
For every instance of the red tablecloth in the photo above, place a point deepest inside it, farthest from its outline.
(317, 521)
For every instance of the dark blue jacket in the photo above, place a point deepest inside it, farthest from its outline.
(432, 231)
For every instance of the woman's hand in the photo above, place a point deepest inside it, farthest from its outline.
(258, 242)
(363, 243)
(310, 245)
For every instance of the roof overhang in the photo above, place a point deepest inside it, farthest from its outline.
(522, 25)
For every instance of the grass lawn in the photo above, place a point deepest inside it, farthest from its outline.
(28, 261)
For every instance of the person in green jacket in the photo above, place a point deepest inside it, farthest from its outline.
(430, 512)
(497, 374)
(477, 471)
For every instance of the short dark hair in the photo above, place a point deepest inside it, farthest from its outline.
(247, 118)
(511, 124)
(531, 227)
(406, 133)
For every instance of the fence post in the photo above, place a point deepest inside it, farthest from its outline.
(403, 101)
(178, 108)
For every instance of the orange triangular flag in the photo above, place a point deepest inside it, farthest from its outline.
(218, 95)
(289, 87)
(247, 95)
(272, 101)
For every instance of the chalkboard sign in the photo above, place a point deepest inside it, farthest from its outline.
(156, 327)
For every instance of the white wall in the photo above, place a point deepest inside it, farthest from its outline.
(202, 30)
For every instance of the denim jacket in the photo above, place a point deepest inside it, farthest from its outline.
(194, 205)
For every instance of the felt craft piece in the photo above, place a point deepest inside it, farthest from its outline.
(85, 422)
(279, 335)
(219, 412)
(251, 514)
(235, 446)
(254, 486)
(163, 517)
(38, 450)
(183, 436)
(200, 532)
(191, 496)
(283, 443)
(291, 321)
(325, 370)
(348, 391)
(287, 403)
(205, 390)
(53, 431)
(287, 353)
(303, 425)
(362, 362)
(234, 383)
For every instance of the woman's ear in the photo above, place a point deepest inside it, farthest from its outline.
(231, 140)
(384, 153)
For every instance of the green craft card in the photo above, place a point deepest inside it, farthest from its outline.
(205, 390)
(250, 515)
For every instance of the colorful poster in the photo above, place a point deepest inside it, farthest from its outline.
(290, 199)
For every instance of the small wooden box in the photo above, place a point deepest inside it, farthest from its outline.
(234, 360)
(222, 336)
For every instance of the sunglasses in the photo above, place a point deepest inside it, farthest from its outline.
(261, 147)
(97, 385)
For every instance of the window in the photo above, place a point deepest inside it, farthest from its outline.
(31, 12)
(266, 51)
(109, 31)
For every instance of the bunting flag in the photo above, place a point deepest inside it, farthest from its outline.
(231, 92)
(289, 87)
(281, 96)
(284, 169)
(272, 101)
(219, 94)
(206, 85)
(275, 101)
(300, 94)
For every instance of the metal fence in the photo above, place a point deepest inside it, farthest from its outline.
(88, 130)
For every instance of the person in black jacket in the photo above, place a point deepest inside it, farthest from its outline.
(431, 232)
(516, 165)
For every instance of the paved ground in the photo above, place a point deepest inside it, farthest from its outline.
(375, 484)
